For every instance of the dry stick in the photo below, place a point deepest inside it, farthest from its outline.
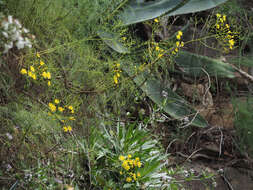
(243, 73)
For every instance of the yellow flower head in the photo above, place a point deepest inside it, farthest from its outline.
(42, 63)
(30, 74)
(34, 76)
(156, 20)
(138, 174)
(179, 34)
(129, 156)
(52, 107)
(67, 128)
(48, 75)
(224, 18)
(218, 15)
(48, 83)
(57, 101)
(115, 78)
(72, 118)
(134, 177)
(121, 158)
(44, 75)
(32, 69)
(23, 71)
(61, 109)
(139, 164)
(38, 55)
(128, 179)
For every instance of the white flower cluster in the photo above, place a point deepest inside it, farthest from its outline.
(13, 34)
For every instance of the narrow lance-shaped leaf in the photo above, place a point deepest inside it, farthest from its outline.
(171, 103)
(193, 65)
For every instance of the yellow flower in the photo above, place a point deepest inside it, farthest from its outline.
(72, 118)
(61, 109)
(52, 107)
(224, 18)
(42, 63)
(129, 156)
(231, 42)
(128, 179)
(118, 75)
(23, 71)
(227, 26)
(134, 177)
(48, 75)
(177, 43)
(115, 78)
(182, 44)
(160, 55)
(48, 83)
(44, 75)
(179, 34)
(156, 20)
(138, 174)
(218, 15)
(121, 158)
(29, 73)
(70, 107)
(32, 69)
(176, 49)
(57, 101)
(34, 76)
(38, 55)
(139, 164)
(67, 128)
(137, 159)
(125, 165)
(157, 48)
(217, 26)
(120, 172)
(123, 38)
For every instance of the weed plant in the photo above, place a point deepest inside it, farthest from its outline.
(65, 102)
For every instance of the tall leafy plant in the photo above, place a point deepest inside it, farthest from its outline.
(136, 11)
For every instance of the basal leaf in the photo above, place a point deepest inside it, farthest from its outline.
(194, 64)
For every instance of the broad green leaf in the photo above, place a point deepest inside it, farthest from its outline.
(112, 41)
(193, 65)
(196, 6)
(140, 11)
(170, 102)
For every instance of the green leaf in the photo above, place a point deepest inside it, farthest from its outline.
(112, 41)
(193, 65)
(196, 6)
(170, 102)
(140, 11)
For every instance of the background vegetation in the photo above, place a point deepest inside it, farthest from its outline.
(93, 97)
